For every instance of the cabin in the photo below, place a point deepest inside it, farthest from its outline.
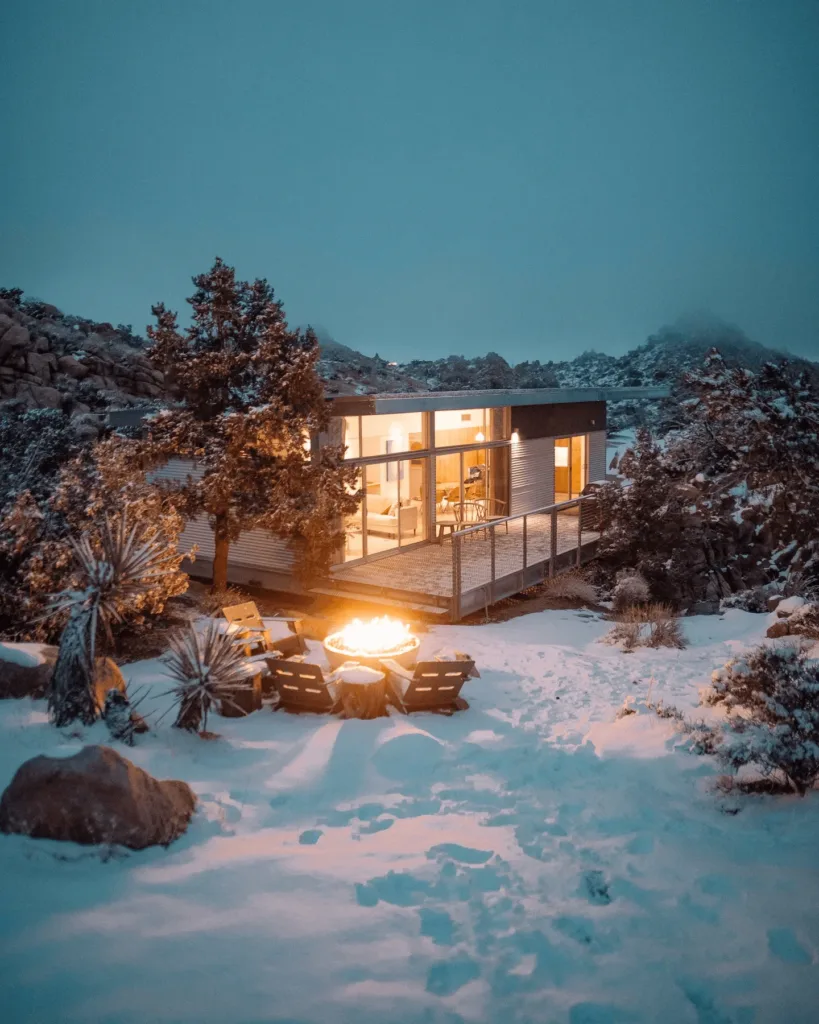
(467, 496)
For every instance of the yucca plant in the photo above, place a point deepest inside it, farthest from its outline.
(117, 569)
(206, 668)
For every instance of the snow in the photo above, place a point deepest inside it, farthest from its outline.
(531, 859)
(789, 605)
(29, 655)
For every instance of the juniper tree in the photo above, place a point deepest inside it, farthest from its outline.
(249, 398)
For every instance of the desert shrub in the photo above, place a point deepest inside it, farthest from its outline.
(650, 625)
(805, 622)
(206, 668)
(630, 589)
(572, 586)
(755, 599)
(213, 601)
(116, 570)
(771, 696)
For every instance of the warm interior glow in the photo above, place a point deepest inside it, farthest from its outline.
(378, 636)
(479, 436)
(561, 456)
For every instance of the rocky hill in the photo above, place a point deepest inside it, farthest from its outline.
(55, 360)
(49, 359)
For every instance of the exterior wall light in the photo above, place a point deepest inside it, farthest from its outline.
(515, 436)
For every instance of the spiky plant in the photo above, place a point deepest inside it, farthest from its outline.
(116, 568)
(206, 668)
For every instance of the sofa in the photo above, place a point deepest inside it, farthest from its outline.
(390, 522)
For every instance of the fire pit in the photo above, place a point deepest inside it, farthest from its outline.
(370, 642)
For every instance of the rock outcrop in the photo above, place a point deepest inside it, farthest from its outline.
(96, 796)
(53, 361)
(27, 675)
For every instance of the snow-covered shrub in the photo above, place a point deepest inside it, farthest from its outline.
(213, 601)
(115, 571)
(805, 622)
(651, 625)
(206, 668)
(754, 599)
(572, 586)
(55, 489)
(771, 696)
(630, 589)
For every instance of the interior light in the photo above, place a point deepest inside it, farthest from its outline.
(561, 456)
(515, 436)
(479, 436)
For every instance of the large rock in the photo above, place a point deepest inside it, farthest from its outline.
(72, 367)
(778, 629)
(25, 670)
(96, 796)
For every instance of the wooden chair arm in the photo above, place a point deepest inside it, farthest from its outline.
(393, 666)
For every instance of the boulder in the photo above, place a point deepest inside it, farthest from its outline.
(44, 397)
(773, 601)
(704, 608)
(95, 796)
(72, 367)
(778, 629)
(16, 336)
(789, 605)
(25, 670)
(41, 364)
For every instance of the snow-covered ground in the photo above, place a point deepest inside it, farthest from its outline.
(529, 860)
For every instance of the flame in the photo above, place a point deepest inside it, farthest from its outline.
(374, 637)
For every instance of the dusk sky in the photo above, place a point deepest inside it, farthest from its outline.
(420, 178)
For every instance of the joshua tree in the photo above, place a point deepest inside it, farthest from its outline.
(206, 667)
(116, 570)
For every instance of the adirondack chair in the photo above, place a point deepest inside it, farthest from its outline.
(431, 685)
(245, 623)
(301, 686)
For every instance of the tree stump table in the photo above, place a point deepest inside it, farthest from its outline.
(362, 690)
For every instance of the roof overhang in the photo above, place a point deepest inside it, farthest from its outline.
(432, 401)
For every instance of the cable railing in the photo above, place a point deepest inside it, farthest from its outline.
(522, 549)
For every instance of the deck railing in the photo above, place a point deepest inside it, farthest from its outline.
(523, 548)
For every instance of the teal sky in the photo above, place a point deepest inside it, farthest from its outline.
(419, 177)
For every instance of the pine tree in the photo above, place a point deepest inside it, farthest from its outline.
(249, 398)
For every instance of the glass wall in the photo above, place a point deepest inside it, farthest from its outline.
(366, 436)
(570, 467)
(457, 427)
(393, 511)
(472, 485)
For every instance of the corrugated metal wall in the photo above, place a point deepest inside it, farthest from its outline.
(597, 455)
(533, 474)
(256, 549)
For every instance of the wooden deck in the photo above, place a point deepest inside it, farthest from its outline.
(428, 570)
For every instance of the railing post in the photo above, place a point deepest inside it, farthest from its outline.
(525, 519)
(579, 532)
(552, 541)
(456, 577)
(492, 556)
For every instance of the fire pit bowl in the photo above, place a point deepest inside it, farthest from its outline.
(370, 642)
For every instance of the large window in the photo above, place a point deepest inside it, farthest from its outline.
(472, 485)
(366, 436)
(457, 427)
(393, 510)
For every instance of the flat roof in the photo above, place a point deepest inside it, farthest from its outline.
(430, 401)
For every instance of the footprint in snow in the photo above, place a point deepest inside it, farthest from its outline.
(596, 888)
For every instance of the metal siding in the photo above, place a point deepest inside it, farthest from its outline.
(597, 455)
(255, 549)
(533, 474)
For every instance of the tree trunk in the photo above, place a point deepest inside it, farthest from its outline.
(221, 542)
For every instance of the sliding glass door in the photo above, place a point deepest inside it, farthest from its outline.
(393, 510)
(571, 467)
